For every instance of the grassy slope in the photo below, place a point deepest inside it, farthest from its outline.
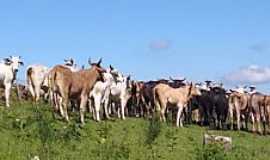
(26, 132)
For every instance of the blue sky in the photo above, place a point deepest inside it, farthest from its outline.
(219, 40)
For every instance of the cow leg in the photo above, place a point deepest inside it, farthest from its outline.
(97, 100)
(7, 93)
(253, 122)
(82, 108)
(37, 91)
(65, 105)
(59, 103)
(268, 118)
(123, 106)
(246, 120)
(148, 109)
(242, 116)
(263, 118)
(238, 119)
(144, 104)
(178, 118)
(257, 119)
(162, 114)
(106, 102)
(31, 89)
(118, 109)
(201, 116)
(91, 108)
(196, 116)
(231, 116)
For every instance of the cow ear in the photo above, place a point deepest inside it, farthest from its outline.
(6, 59)
(21, 63)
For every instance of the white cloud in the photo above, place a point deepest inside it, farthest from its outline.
(252, 74)
(160, 44)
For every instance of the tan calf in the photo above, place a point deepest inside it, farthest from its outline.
(238, 104)
(179, 97)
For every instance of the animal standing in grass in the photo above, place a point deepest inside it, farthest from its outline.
(179, 97)
(74, 85)
(8, 72)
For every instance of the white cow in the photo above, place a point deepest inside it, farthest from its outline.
(121, 92)
(8, 71)
(36, 75)
(100, 95)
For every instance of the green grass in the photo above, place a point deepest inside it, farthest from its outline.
(27, 131)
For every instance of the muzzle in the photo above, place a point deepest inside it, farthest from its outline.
(15, 71)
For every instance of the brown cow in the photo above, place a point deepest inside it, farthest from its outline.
(256, 106)
(267, 112)
(179, 97)
(238, 104)
(74, 85)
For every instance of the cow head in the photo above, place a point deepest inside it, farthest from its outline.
(202, 86)
(194, 90)
(128, 81)
(98, 68)
(69, 62)
(115, 73)
(118, 77)
(15, 62)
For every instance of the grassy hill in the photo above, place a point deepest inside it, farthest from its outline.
(27, 131)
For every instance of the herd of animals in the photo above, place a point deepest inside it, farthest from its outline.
(110, 93)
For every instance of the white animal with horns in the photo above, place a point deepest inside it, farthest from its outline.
(100, 95)
(121, 92)
(8, 71)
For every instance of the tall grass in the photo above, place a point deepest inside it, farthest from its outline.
(27, 131)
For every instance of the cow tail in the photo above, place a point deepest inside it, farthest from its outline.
(156, 100)
(51, 84)
(29, 77)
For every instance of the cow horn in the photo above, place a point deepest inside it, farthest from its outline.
(128, 78)
(182, 79)
(111, 67)
(99, 62)
(171, 78)
(72, 61)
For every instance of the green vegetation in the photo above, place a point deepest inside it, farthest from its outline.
(27, 131)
